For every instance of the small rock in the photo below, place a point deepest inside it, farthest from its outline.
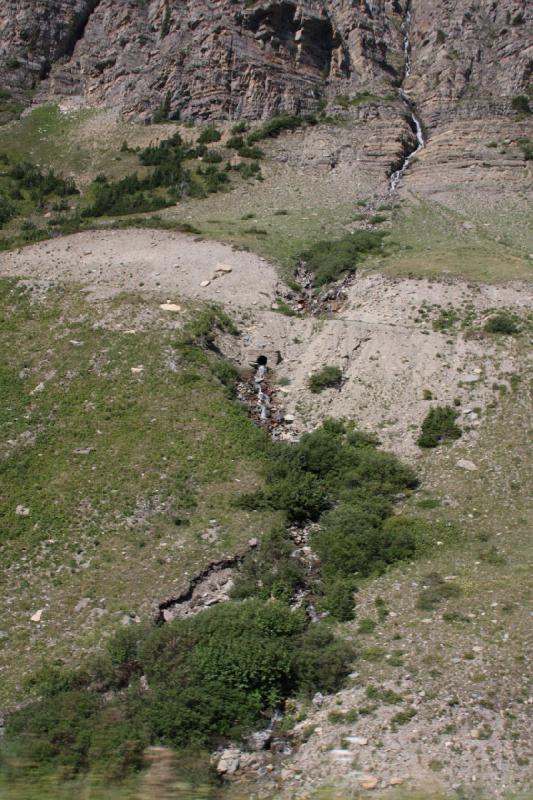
(253, 542)
(396, 781)
(341, 755)
(289, 418)
(470, 378)
(83, 603)
(170, 307)
(368, 781)
(229, 762)
(463, 463)
(76, 343)
(360, 740)
(318, 699)
(83, 451)
(137, 370)
(38, 388)
(22, 511)
(223, 268)
(37, 616)
(260, 739)
(205, 283)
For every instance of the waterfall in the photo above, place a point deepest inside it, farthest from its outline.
(263, 399)
(417, 125)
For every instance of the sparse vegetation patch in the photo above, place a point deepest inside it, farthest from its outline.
(328, 377)
(329, 260)
(439, 427)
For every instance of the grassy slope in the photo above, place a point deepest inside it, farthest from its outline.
(119, 524)
(427, 238)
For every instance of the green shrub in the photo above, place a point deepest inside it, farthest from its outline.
(209, 134)
(326, 378)
(526, 146)
(338, 598)
(280, 123)
(424, 534)
(521, 104)
(213, 157)
(41, 184)
(249, 170)
(435, 590)
(384, 695)
(352, 542)
(343, 717)
(321, 662)
(210, 676)
(7, 210)
(328, 260)
(270, 571)
(235, 143)
(56, 730)
(402, 718)
(439, 427)
(239, 127)
(502, 323)
(366, 625)
(165, 22)
(250, 152)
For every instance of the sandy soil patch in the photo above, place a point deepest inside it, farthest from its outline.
(110, 262)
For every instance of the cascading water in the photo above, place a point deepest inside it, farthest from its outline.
(417, 126)
(263, 399)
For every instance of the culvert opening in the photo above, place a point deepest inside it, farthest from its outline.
(262, 361)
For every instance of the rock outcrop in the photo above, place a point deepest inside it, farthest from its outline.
(211, 59)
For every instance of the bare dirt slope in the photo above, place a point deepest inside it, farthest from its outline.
(395, 364)
(110, 262)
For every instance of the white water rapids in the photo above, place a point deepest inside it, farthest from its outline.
(420, 141)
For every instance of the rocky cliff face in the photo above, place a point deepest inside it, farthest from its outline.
(209, 59)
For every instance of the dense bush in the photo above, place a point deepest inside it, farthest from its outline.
(7, 210)
(521, 104)
(325, 378)
(502, 323)
(249, 170)
(209, 676)
(209, 134)
(329, 259)
(439, 426)
(244, 150)
(42, 184)
(126, 196)
(526, 146)
(239, 127)
(168, 182)
(270, 571)
(280, 123)
(335, 475)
